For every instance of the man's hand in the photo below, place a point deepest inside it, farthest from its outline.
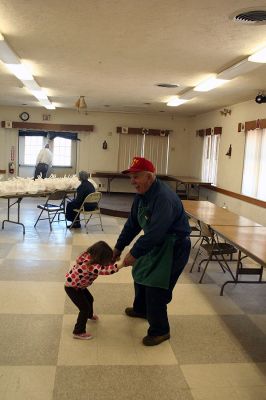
(129, 260)
(116, 254)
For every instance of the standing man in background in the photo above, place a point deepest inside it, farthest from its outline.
(43, 162)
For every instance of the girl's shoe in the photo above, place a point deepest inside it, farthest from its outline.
(94, 318)
(82, 336)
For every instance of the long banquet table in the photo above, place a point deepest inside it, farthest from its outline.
(248, 236)
(18, 197)
(187, 181)
(251, 240)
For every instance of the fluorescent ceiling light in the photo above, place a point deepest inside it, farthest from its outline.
(6, 54)
(210, 84)
(31, 85)
(190, 94)
(238, 69)
(47, 104)
(20, 71)
(174, 102)
(258, 57)
(51, 107)
(39, 94)
(13, 63)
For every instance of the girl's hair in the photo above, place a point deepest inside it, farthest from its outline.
(101, 253)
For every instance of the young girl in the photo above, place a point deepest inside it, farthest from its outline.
(96, 260)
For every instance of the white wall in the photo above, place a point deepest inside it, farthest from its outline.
(90, 155)
(229, 169)
(185, 147)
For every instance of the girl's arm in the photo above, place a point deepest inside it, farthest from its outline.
(105, 269)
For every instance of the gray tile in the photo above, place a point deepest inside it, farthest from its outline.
(108, 298)
(5, 249)
(29, 339)
(248, 336)
(204, 339)
(121, 383)
(250, 298)
(194, 276)
(32, 270)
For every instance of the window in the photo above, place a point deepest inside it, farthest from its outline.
(33, 144)
(210, 158)
(254, 171)
(155, 148)
(62, 152)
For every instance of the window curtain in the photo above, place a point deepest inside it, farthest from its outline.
(254, 171)
(156, 149)
(262, 169)
(210, 158)
(49, 134)
(129, 146)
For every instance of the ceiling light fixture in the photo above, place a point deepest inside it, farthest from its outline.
(209, 84)
(21, 72)
(258, 57)
(81, 103)
(175, 102)
(188, 95)
(240, 68)
(168, 85)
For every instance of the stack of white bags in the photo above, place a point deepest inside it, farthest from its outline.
(19, 185)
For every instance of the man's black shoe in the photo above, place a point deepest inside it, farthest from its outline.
(131, 313)
(154, 340)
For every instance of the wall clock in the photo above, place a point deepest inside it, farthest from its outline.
(24, 116)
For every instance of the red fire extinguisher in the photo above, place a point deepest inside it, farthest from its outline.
(11, 167)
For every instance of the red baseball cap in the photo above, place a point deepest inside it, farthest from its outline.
(139, 164)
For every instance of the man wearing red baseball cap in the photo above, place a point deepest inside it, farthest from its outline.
(159, 255)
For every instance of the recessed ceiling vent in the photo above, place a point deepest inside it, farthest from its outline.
(254, 17)
(167, 85)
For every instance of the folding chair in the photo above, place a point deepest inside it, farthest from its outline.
(195, 230)
(87, 215)
(216, 251)
(53, 209)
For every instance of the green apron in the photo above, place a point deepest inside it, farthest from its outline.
(154, 269)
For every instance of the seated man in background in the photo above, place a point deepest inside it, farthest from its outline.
(83, 190)
(43, 162)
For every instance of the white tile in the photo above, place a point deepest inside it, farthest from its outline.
(199, 300)
(73, 351)
(117, 355)
(36, 252)
(155, 355)
(214, 393)
(31, 297)
(224, 375)
(251, 393)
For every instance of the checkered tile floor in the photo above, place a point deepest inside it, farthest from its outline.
(217, 348)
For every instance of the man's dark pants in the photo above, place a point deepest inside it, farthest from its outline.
(71, 214)
(152, 301)
(41, 169)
